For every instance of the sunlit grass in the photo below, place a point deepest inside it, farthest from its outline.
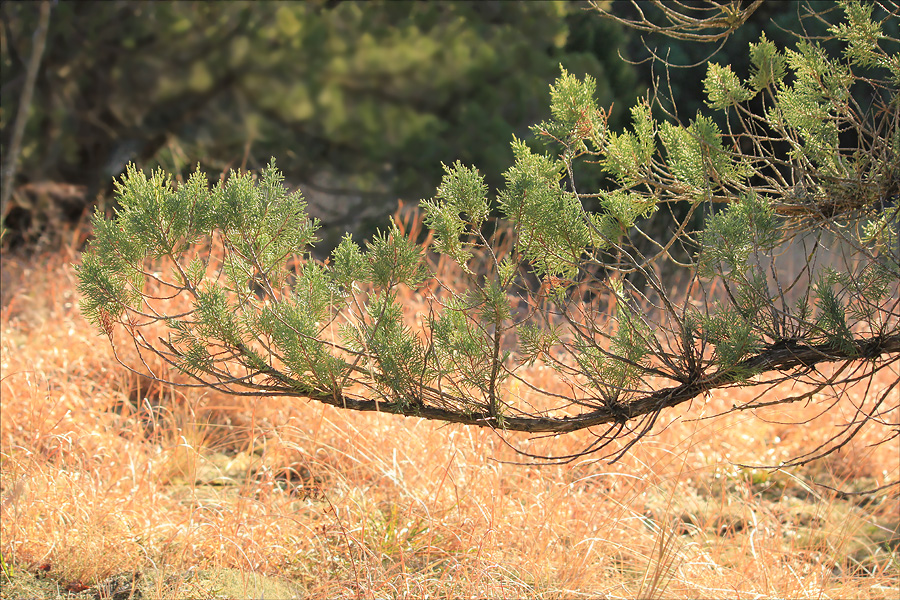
(109, 483)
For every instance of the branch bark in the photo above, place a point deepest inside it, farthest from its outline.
(783, 356)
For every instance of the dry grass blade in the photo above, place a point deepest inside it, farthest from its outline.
(110, 486)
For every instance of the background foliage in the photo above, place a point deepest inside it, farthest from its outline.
(360, 103)
(363, 101)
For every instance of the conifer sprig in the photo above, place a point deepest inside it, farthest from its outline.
(218, 281)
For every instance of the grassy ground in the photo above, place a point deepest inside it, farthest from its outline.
(112, 488)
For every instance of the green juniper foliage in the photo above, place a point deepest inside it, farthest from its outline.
(797, 261)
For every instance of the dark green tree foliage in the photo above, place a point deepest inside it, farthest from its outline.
(374, 95)
(226, 271)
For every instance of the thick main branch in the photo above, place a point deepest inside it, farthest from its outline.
(783, 356)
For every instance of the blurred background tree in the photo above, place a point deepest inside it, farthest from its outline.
(359, 102)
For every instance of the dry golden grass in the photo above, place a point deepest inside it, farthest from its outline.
(113, 489)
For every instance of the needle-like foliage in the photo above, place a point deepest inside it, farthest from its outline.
(782, 208)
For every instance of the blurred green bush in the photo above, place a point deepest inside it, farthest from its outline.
(354, 99)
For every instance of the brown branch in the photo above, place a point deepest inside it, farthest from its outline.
(783, 356)
(683, 24)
